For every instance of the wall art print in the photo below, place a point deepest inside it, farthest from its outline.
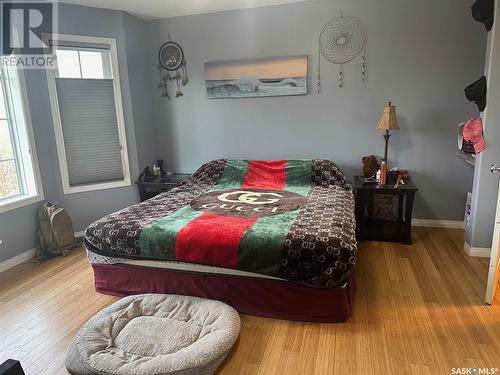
(274, 76)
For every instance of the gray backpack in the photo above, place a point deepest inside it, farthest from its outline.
(55, 233)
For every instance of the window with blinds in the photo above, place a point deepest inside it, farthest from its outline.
(88, 116)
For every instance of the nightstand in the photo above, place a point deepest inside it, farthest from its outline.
(369, 224)
(153, 186)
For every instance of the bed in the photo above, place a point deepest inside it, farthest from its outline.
(271, 238)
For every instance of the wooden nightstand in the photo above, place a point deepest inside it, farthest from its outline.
(371, 227)
(154, 186)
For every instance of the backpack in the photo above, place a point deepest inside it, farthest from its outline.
(55, 232)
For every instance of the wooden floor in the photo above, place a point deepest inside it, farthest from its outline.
(419, 310)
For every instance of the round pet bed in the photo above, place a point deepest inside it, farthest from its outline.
(155, 334)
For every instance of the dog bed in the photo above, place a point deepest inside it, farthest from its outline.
(155, 334)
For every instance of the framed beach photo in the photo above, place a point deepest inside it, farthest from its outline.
(272, 76)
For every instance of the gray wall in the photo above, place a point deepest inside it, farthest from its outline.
(136, 39)
(420, 55)
(18, 227)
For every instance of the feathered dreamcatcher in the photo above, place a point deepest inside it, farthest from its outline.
(340, 41)
(172, 67)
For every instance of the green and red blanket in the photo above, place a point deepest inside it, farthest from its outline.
(292, 219)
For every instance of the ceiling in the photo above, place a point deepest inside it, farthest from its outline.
(154, 9)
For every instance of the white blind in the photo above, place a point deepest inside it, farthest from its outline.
(90, 130)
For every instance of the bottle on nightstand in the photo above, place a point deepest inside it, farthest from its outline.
(383, 172)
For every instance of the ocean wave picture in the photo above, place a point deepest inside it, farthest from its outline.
(276, 76)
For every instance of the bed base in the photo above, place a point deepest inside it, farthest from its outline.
(268, 298)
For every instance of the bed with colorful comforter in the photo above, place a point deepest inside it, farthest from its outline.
(289, 219)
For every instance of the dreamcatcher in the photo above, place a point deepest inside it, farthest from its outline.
(340, 41)
(172, 68)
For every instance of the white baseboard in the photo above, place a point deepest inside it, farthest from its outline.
(27, 255)
(482, 252)
(18, 259)
(452, 224)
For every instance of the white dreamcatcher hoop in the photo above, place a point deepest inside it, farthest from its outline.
(340, 41)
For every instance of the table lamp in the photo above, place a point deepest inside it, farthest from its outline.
(388, 121)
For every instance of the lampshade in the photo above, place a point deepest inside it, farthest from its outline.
(388, 120)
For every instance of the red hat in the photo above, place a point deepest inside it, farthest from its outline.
(473, 131)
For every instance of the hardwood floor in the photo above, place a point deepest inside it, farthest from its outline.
(419, 310)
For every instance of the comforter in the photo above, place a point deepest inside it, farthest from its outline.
(292, 219)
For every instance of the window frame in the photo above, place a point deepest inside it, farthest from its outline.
(54, 103)
(24, 163)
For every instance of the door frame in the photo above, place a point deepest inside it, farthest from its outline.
(493, 269)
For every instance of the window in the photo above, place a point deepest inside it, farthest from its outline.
(19, 176)
(88, 116)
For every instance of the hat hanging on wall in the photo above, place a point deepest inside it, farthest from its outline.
(340, 41)
(172, 67)
(476, 92)
(484, 11)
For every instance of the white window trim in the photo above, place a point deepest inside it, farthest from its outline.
(61, 152)
(25, 200)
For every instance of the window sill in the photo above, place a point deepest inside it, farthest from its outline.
(94, 187)
(18, 202)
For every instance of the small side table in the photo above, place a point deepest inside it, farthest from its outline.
(153, 186)
(369, 227)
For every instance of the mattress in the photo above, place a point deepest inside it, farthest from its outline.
(286, 219)
(176, 266)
